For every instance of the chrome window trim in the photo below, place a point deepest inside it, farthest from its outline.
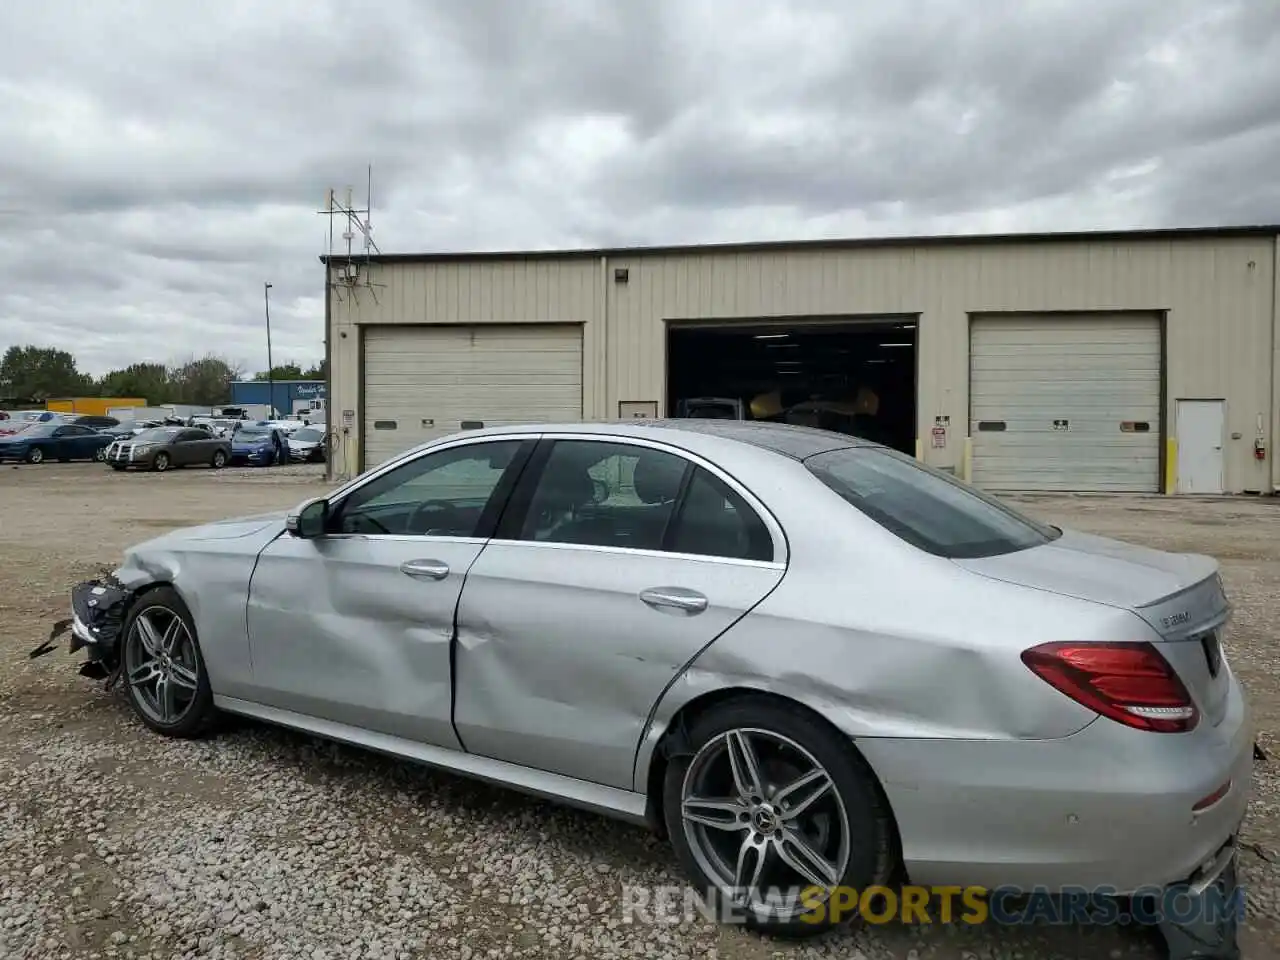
(781, 554)
(641, 552)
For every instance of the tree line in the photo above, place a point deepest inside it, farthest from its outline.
(30, 373)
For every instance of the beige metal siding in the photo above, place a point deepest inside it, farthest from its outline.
(1062, 387)
(426, 382)
(1218, 294)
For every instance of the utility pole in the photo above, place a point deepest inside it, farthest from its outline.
(271, 383)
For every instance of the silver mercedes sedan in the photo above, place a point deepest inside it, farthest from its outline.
(808, 660)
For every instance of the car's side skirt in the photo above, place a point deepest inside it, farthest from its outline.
(594, 797)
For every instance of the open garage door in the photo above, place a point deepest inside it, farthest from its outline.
(854, 375)
(1066, 402)
(422, 382)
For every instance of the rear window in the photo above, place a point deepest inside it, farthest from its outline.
(926, 507)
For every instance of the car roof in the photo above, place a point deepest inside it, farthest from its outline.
(789, 440)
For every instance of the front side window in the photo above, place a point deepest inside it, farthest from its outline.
(443, 494)
(604, 494)
(926, 507)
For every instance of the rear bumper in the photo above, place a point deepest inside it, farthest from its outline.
(1107, 809)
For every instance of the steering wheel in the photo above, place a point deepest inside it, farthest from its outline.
(449, 510)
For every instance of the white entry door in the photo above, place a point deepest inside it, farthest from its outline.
(1201, 424)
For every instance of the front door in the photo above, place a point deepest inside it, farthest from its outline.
(355, 626)
(616, 564)
(1200, 431)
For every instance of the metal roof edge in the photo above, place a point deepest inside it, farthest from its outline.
(833, 243)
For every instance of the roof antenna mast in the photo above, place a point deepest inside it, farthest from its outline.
(349, 268)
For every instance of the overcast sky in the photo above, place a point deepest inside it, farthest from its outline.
(161, 159)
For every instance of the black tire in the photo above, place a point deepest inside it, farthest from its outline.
(199, 714)
(219, 459)
(871, 858)
(160, 463)
(35, 455)
(119, 467)
(100, 454)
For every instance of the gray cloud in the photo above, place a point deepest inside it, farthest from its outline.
(163, 160)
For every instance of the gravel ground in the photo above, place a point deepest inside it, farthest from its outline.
(265, 844)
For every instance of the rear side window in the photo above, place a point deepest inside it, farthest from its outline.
(925, 507)
(714, 521)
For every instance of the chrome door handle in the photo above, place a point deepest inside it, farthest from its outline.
(675, 599)
(425, 569)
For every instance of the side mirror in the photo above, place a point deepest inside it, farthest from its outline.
(309, 520)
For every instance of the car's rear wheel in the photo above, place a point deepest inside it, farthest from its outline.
(163, 669)
(35, 455)
(219, 459)
(772, 812)
(161, 462)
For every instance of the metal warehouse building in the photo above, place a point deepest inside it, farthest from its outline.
(1136, 361)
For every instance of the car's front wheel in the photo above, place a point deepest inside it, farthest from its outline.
(100, 454)
(777, 818)
(219, 459)
(163, 669)
(161, 462)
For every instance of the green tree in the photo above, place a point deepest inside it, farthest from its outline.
(40, 373)
(204, 381)
(286, 371)
(318, 372)
(147, 380)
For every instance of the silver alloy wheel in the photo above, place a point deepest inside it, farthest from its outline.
(100, 454)
(160, 665)
(161, 462)
(219, 460)
(765, 822)
(36, 455)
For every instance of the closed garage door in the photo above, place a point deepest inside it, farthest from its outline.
(424, 382)
(1066, 402)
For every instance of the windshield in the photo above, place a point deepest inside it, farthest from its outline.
(252, 433)
(308, 434)
(926, 507)
(157, 435)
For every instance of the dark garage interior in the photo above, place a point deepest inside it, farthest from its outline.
(856, 377)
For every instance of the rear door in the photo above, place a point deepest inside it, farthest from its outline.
(616, 563)
(185, 448)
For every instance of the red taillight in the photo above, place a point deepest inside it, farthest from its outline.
(1126, 682)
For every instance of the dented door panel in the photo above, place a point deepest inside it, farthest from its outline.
(338, 630)
(560, 659)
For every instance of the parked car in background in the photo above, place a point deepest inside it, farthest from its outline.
(18, 419)
(259, 445)
(173, 446)
(53, 440)
(307, 445)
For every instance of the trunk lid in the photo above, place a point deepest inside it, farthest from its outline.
(1180, 596)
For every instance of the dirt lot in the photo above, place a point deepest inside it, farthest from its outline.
(260, 843)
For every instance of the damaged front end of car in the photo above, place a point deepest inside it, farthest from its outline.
(98, 611)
